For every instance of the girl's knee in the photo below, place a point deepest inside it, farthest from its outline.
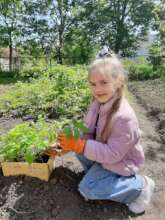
(89, 189)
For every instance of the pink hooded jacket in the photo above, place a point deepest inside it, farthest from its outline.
(122, 153)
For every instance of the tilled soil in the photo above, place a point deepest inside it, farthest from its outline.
(25, 198)
(151, 94)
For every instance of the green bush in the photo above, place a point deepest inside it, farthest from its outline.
(33, 72)
(65, 93)
(161, 72)
(140, 70)
(39, 71)
(156, 54)
(8, 73)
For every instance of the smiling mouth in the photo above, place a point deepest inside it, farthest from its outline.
(100, 95)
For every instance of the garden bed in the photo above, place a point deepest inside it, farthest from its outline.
(151, 94)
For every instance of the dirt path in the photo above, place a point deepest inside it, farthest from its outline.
(155, 162)
(4, 88)
(25, 198)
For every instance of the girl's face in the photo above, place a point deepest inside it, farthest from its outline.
(103, 87)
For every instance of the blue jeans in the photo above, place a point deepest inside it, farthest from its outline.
(102, 184)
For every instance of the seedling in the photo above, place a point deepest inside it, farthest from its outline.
(75, 130)
(27, 141)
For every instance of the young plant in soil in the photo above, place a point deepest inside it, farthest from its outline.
(27, 141)
(76, 129)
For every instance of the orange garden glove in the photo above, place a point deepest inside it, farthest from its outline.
(71, 144)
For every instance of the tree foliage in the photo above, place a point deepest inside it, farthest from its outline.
(119, 23)
(69, 31)
(10, 12)
(159, 21)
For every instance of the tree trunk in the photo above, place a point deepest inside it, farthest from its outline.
(59, 52)
(10, 53)
(60, 32)
(59, 56)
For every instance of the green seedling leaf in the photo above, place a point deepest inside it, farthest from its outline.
(76, 134)
(29, 157)
(68, 131)
(83, 128)
(76, 124)
(11, 154)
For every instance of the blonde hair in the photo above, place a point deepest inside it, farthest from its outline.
(112, 67)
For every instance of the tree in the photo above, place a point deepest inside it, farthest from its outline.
(157, 49)
(159, 21)
(35, 29)
(10, 12)
(118, 23)
(77, 47)
(63, 17)
(51, 21)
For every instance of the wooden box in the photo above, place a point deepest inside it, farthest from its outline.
(39, 170)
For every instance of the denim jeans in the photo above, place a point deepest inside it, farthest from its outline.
(102, 184)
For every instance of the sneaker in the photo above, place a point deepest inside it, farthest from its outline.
(140, 204)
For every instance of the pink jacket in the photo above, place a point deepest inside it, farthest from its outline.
(122, 153)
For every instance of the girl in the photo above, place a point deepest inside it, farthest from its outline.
(111, 153)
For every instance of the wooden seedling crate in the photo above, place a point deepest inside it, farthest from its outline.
(39, 170)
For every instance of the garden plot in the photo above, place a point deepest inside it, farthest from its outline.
(25, 198)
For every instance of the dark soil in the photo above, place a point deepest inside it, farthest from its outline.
(25, 198)
(151, 94)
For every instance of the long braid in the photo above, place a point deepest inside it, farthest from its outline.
(107, 128)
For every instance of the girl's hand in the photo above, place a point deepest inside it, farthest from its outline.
(71, 144)
(51, 153)
(54, 150)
